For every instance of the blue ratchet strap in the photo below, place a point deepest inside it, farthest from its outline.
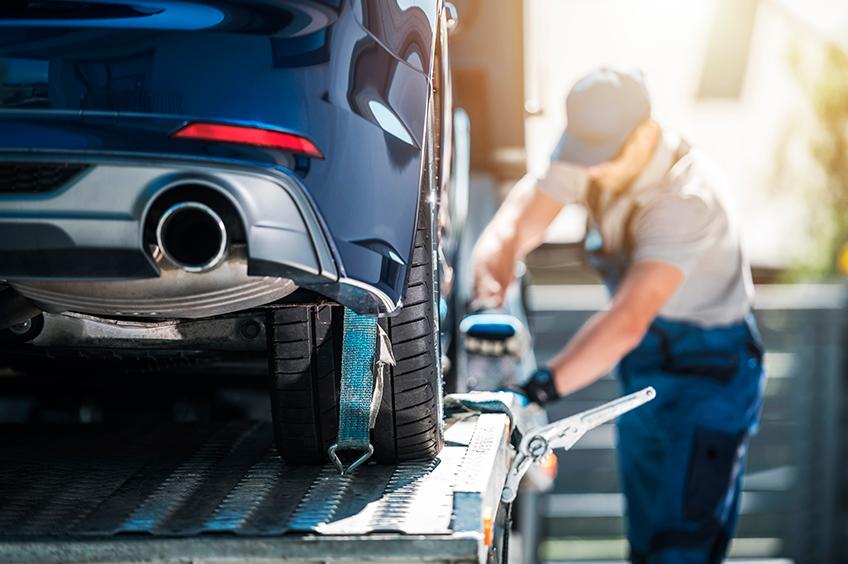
(359, 350)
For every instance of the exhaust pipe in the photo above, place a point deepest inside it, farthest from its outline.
(192, 236)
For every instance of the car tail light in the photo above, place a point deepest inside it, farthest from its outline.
(249, 136)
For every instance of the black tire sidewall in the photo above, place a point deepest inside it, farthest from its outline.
(410, 424)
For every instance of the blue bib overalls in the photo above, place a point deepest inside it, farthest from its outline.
(681, 456)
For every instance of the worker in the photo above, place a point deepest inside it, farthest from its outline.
(665, 244)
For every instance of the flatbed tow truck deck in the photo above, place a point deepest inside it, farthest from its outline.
(187, 492)
(181, 492)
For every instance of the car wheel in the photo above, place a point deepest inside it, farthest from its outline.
(409, 425)
(305, 345)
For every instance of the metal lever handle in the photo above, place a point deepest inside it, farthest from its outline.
(564, 434)
(609, 411)
(568, 431)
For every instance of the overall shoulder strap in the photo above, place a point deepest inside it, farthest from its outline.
(629, 240)
(594, 202)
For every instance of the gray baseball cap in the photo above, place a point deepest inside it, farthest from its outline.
(602, 109)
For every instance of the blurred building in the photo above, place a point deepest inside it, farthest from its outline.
(734, 76)
(720, 71)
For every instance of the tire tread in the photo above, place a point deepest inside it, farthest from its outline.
(303, 360)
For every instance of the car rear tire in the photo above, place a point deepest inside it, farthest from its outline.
(305, 345)
(409, 424)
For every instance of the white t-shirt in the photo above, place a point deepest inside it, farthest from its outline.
(681, 219)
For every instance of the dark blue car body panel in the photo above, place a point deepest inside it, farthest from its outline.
(113, 83)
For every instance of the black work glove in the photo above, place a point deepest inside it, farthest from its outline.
(540, 388)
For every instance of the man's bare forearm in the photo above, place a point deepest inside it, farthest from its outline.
(520, 223)
(517, 228)
(611, 334)
(595, 349)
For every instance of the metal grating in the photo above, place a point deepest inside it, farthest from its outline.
(183, 480)
(37, 178)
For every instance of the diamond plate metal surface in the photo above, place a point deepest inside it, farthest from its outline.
(479, 458)
(482, 474)
(175, 494)
(68, 484)
(419, 497)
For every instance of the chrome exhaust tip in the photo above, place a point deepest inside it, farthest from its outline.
(192, 236)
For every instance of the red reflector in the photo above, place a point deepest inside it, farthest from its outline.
(250, 136)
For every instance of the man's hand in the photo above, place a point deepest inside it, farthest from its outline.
(540, 387)
(517, 228)
(493, 262)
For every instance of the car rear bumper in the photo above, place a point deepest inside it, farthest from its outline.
(92, 227)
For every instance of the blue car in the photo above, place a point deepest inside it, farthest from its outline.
(185, 181)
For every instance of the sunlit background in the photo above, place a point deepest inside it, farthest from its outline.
(762, 87)
(737, 77)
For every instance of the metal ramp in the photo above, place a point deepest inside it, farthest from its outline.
(192, 492)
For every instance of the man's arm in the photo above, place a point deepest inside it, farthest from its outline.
(611, 334)
(517, 228)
